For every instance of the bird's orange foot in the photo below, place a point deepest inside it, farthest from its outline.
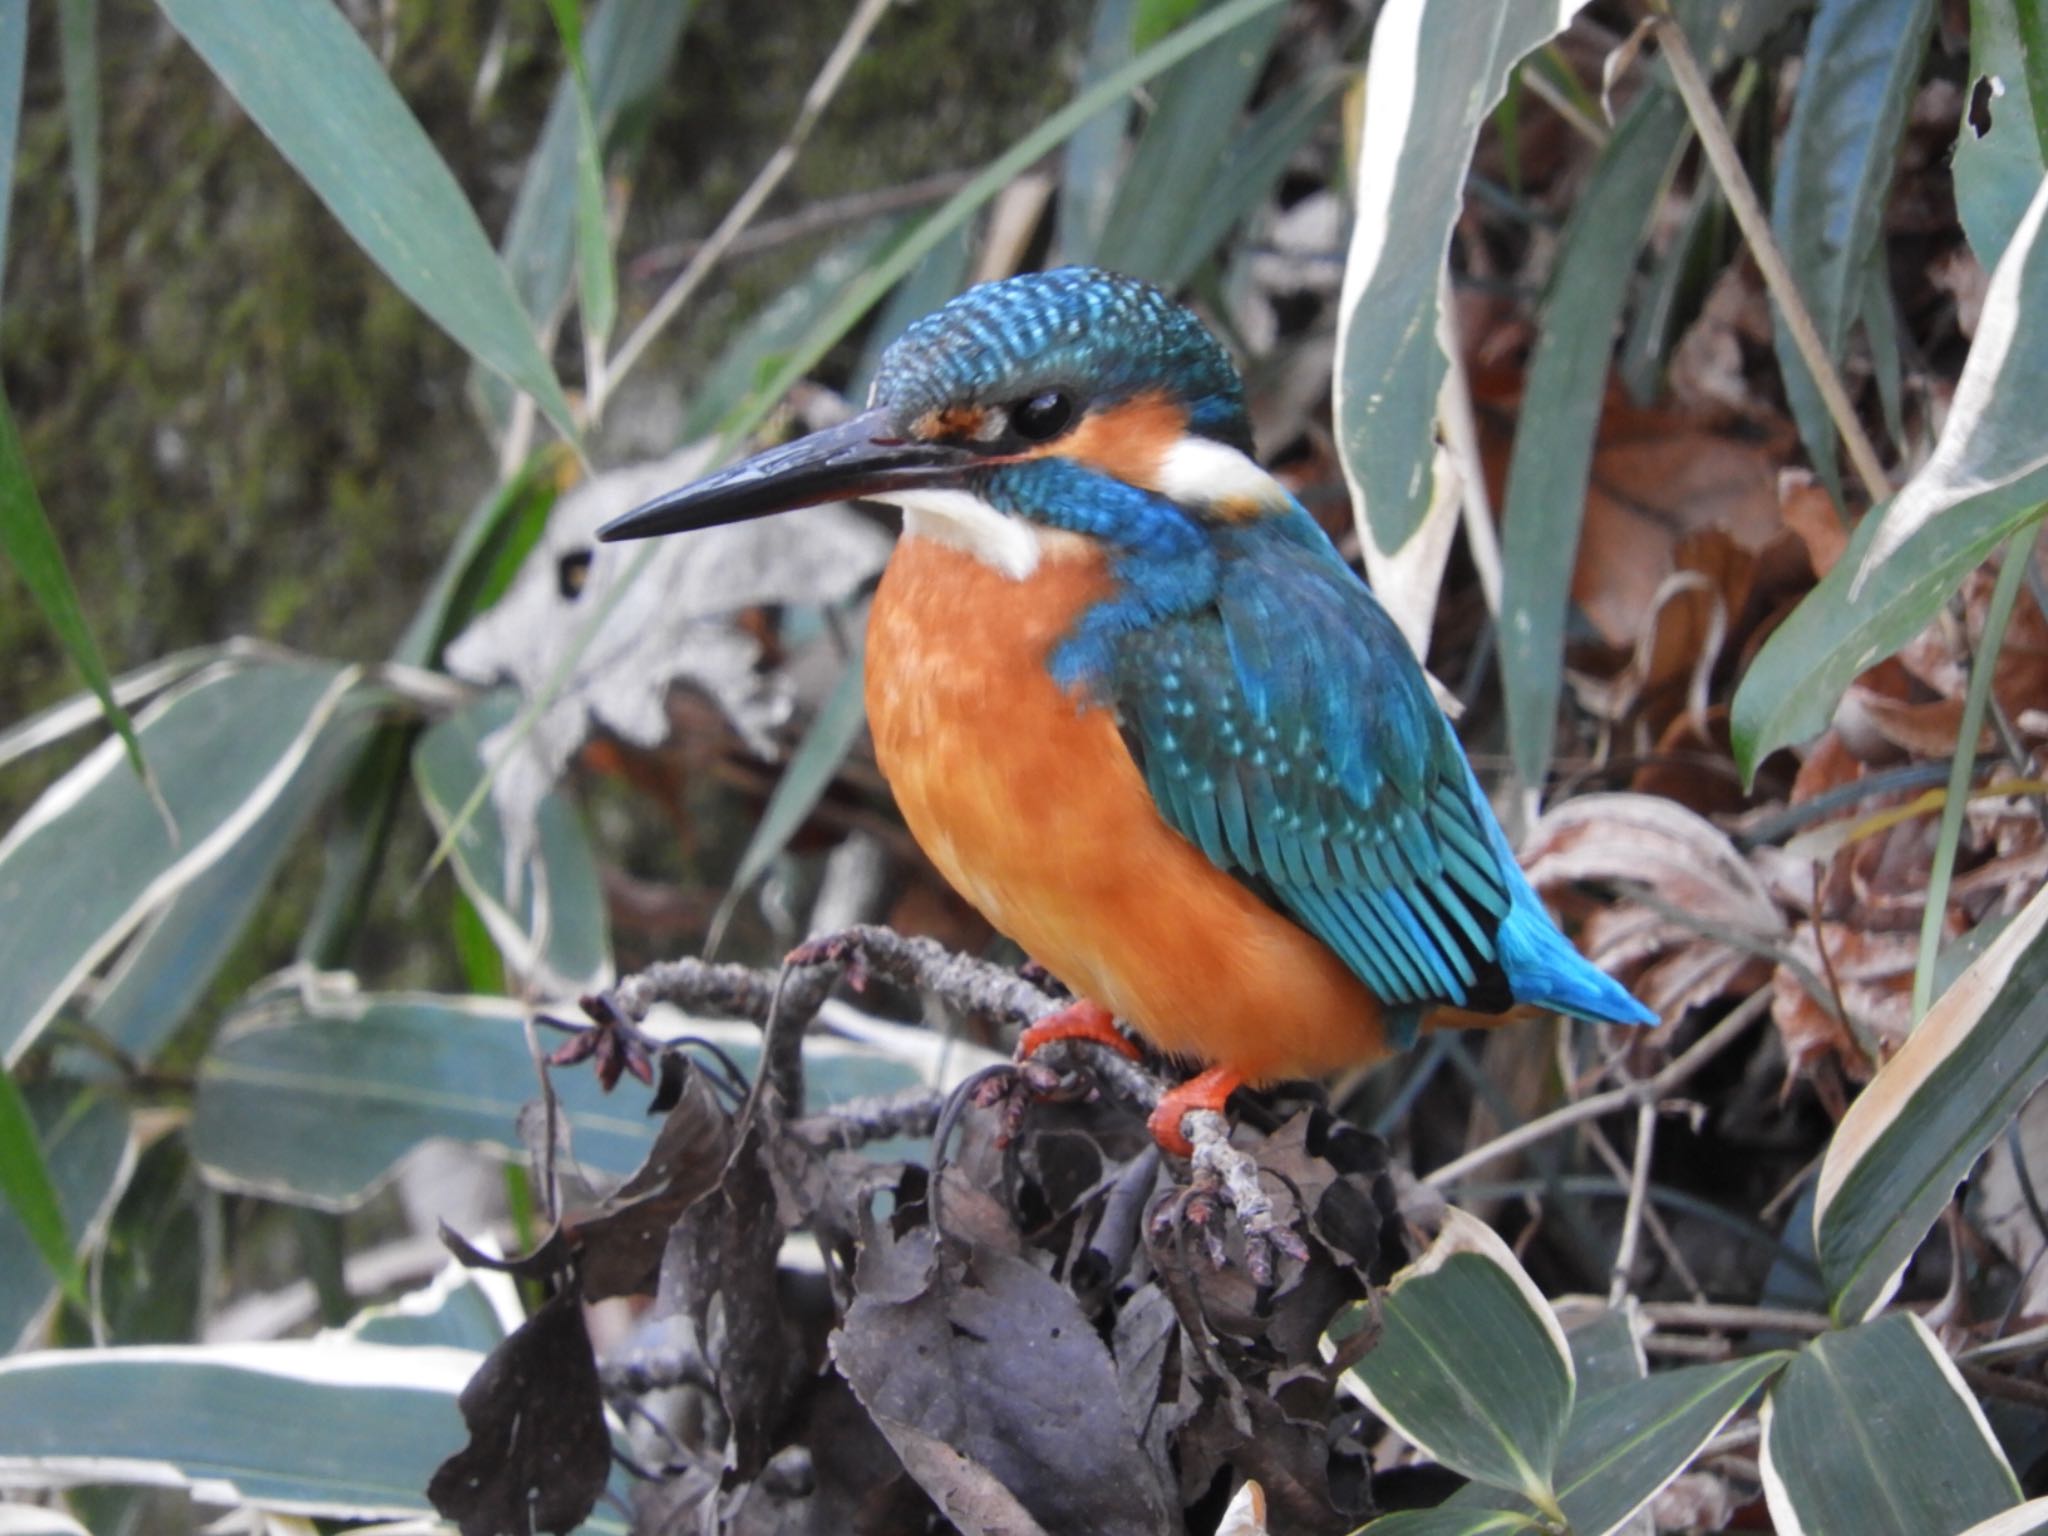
(1079, 1020)
(1207, 1090)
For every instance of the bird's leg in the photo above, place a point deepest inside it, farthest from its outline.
(1206, 1090)
(1079, 1020)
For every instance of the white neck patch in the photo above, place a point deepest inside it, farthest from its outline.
(1199, 472)
(962, 520)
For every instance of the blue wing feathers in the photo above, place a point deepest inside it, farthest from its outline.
(1284, 728)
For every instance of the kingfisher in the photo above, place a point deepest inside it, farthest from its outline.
(1142, 715)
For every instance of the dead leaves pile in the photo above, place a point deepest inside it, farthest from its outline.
(1048, 1335)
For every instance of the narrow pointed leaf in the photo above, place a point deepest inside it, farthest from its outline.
(1930, 1112)
(1091, 167)
(31, 547)
(1992, 436)
(805, 778)
(1436, 71)
(170, 966)
(1861, 67)
(1627, 1443)
(306, 79)
(1174, 167)
(1872, 1431)
(1470, 1364)
(543, 904)
(78, 48)
(629, 48)
(598, 281)
(92, 858)
(1790, 691)
(1553, 454)
(13, 63)
(31, 1194)
(83, 1138)
(1450, 1522)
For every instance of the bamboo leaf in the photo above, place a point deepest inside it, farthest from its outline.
(78, 48)
(304, 77)
(1861, 66)
(1553, 453)
(31, 545)
(84, 1139)
(90, 860)
(1930, 1112)
(2000, 156)
(1871, 1431)
(1090, 169)
(13, 62)
(31, 1194)
(598, 280)
(1791, 689)
(1470, 1364)
(1436, 71)
(1450, 1522)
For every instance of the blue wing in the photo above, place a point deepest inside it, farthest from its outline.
(1286, 730)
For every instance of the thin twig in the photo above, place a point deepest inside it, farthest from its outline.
(813, 219)
(1721, 1318)
(1653, 1220)
(1649, 1090)
(830, 77)
(1638, 1202)
(1756, 230)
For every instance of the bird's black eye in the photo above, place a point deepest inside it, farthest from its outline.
(1042, 416)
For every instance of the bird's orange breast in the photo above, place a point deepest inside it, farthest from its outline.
(1029, 803)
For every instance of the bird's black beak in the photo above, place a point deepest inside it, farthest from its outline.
(867, 456)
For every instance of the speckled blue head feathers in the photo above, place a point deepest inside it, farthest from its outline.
(1096, 336)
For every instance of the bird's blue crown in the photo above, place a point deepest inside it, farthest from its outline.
(1097, 335)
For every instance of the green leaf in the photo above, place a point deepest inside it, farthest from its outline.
(597, 279)
(79, 58)
(1470, 1364)
(1090, 169)
(91, 858)
(1861, 67)
(1930, 1112)
(1627, 1443)
(1247, 169)
(496, 538)
(385, 1416)
(1449, 1522)
(805, 778)
(1871, 1431)
(1553, 453)
(1175, 165)
(732, 384)
(1606, 1349)
(303, 75)
(74, 714)
(31, 544)
(629, 48)
(1436, 71)
(544, 905)
(1791, 689)
(170, 966)
(81, 1136)
(2000, 158)
(13, 62)
(459, 1309)
(1991, 436)
(317, 1099)
(31, 1194)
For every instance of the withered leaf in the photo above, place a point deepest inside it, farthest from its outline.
(984, 1374)
(621, 1246)
(538, 1451)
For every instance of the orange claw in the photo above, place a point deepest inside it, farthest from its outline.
(1206, 1090)
(1079, 1020)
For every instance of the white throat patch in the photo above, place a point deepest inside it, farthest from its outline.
(1199, 472)
(962, 520)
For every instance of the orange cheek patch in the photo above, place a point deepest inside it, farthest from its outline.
(1129, 441)
(955, 421)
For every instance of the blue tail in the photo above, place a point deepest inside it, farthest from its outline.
(1543, 968)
